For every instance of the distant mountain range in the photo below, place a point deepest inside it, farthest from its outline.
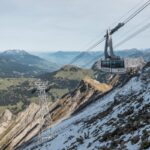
(65, 57)
(89, 58)
(15, 63)
(20, 63)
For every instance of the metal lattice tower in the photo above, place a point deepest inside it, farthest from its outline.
(44, 110)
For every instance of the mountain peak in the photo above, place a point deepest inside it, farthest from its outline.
(70, 67)
(15, 52)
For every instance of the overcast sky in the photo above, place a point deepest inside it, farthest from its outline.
(52, 25)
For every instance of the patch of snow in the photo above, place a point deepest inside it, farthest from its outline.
(131, 146)
(74, 126)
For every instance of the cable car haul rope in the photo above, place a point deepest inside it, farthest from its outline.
(111, 62)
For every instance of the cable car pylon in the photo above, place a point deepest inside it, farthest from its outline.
(41, 87)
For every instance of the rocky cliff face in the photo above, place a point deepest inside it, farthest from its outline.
(87, 90)
(118, 120)
(5, 119)
(18, 129)
(29, 123)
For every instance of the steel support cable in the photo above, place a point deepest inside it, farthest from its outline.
(124, 22)
(142, 7)
(145, 27)
(119, 19)
(94, 40)
(132, 15)
(121, 24)
(133, 8)
(91, 61)
(137, 12)
(93, 46)
(128, 32)
(142, 29)
(89, 49)
(147, 3)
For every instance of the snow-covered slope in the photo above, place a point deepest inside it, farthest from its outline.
(119, 120)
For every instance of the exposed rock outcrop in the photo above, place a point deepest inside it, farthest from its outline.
(118, 120)
(5, 120)
(29, 123)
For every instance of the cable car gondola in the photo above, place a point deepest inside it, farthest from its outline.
(111, 63)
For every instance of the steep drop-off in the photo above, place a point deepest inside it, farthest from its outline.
(29, 123)
(118, 120)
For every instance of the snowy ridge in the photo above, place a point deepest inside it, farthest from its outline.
(15, 52)
(119, 120)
